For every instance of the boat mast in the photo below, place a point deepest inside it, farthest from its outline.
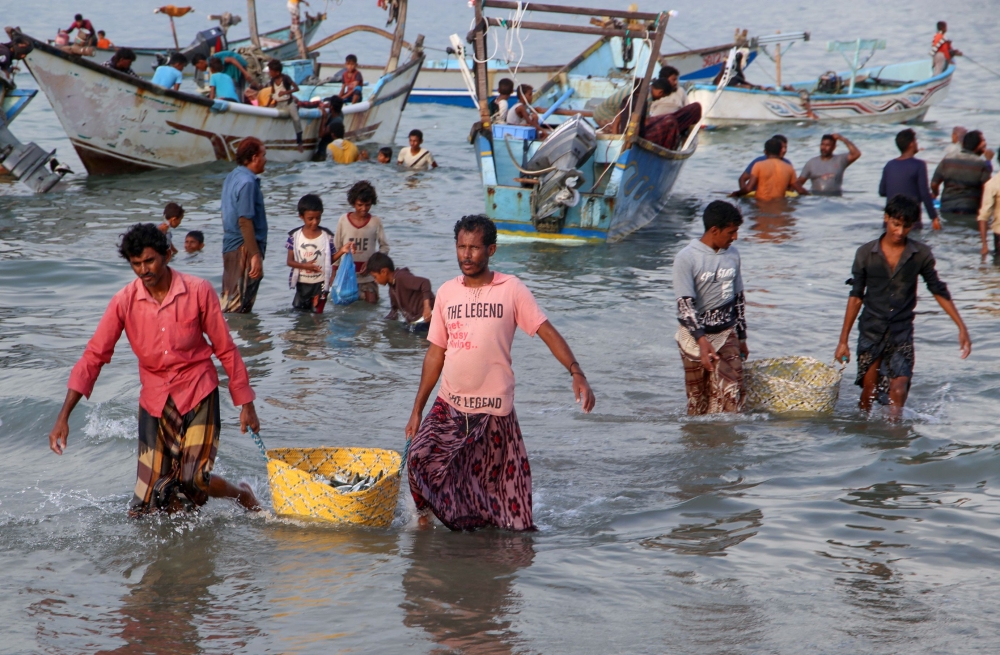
(480, 57)
(252, 11)
(397, 39)
(639, 101)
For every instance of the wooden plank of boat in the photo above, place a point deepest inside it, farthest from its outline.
(122, 124)
(896, 93)
(277, 44)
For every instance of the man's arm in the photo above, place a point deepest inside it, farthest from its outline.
(214, 325)
(936, 180)
(986, 215)
(926, 197)
(843, 352)
(429, 375)
(98, 352)
(853, 154)
(882, 189)
(236, 62)
(964, 342)
(797, 186)
(561, 350)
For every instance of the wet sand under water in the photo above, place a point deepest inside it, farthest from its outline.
(658, 533)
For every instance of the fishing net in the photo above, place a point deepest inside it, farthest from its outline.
(296, 492)
(787, 385)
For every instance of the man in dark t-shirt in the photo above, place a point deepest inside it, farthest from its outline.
(884, 282)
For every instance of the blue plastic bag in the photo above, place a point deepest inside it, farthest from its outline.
(345, 284)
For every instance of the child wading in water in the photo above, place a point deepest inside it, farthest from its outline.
(884, 282)
(173, 214)
(310, 256)
(357, 232)
(409, 295)
(416, 156)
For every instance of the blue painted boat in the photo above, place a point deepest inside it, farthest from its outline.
(612, 186)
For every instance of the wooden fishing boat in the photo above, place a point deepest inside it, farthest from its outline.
(441, 82)
(123, 124)
(277, 44)
(895, 93)
(576, 185)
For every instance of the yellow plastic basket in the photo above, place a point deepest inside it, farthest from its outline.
(295, 493)
(787, 385)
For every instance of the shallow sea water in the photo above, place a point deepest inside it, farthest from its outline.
(658, 533)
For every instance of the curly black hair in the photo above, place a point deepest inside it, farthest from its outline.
(363, 191)
(141, 236)
(478, 223)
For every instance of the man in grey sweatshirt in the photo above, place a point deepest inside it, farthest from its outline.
(711, 313)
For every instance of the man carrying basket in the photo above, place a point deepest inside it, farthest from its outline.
(712, 335)
(467, 459)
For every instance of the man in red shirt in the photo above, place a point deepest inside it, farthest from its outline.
(166, 315)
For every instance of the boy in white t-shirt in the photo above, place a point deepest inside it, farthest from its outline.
(416, 157)
(358, 232)
(310, 256)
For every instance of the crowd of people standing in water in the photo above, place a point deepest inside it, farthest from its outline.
(467, 460)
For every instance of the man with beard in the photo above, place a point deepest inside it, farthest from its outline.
(467, 459)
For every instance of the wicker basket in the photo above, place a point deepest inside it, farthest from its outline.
(785, 385)
(295, 493)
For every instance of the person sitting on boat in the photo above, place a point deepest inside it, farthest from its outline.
(963, 177)
(745, 176)
(351, 80)
(416, 157)
(523, 113)
(667, 127)
(282, 87)
(772, 178)
(10, 52)
(170, 75)
(827, 170)
(86, 35)
(340, 150)
(668, 95)
(942, 50)
(907, 176)
(122, 61)
(500, 105)
(614, 112)
(220, 85)
(201, 74)
(103, 42)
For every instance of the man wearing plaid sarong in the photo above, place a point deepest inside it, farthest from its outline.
(166, 316)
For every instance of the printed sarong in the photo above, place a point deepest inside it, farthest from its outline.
(666, 130)
(896, 360)
(720, 390)
(471, 470)
(239, 290)
(176, 456)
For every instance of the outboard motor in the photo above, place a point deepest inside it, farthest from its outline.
(557, 159)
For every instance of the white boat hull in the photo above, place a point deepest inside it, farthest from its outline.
(909, 102)
(120, 124)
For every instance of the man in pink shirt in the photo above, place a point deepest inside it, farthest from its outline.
(166, 315)
(467, 459)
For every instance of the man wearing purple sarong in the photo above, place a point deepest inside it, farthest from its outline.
(467, 459)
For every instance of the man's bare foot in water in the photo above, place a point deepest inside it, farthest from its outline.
(246, 498)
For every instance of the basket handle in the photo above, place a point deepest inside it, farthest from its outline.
(842, 364)
(260, 444)
(406, 454)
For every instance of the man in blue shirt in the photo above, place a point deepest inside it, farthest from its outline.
(235, 66)
(170, 75)
(244, 228)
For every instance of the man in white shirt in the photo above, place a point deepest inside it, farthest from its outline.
(416, 157)
(674, 96)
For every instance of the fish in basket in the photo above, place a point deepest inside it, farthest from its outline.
(342, 485)
(791, 385)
